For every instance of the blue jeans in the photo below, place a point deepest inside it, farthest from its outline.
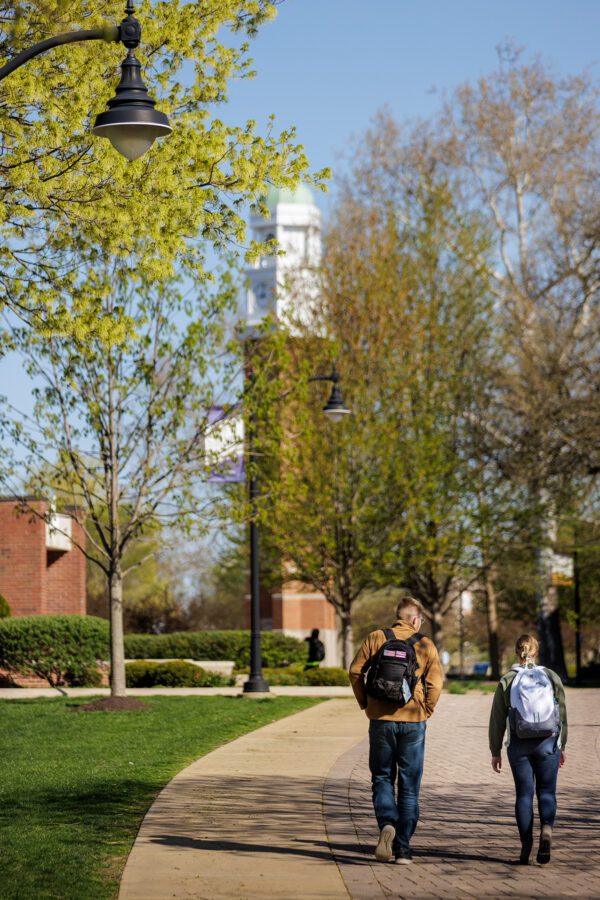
(534, 764)
(396, 750)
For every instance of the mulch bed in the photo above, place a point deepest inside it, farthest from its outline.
(112, 704)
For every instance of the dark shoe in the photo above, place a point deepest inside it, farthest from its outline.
(525, 852)
(543, 854)
(383, 850)
(403, 858)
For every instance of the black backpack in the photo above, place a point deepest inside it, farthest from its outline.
(319, 653)
(391, 676)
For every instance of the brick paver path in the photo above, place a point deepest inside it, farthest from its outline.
(467, 837)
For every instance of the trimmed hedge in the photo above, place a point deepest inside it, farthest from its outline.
(4, 608)
(61, 649)
(277, 649)
(327, 676)
(172, 674)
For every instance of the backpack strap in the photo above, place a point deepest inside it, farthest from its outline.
(389, 634)
(414, 638)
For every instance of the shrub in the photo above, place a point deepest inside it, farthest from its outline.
(327, 676)
(277, 649)
(57, 648)
(89, 676)
(4, 608)
(172, 674)
(461, 687)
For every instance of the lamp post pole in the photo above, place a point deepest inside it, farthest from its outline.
(465, 605)
(577, 611)
(461, 635)
(256, 683)
(335, 409)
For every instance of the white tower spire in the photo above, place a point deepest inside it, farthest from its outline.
(285, 284)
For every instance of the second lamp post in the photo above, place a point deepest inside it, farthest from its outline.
(335, 409)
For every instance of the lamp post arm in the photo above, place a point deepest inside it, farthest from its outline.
(323, 378)
(108, 33)
(333, 378)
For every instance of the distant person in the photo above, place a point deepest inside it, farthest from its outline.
(532, 698)
(316, 650)
(397, 679)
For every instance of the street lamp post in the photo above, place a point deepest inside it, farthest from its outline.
(131, 123)
(465, 599)
(335, 409)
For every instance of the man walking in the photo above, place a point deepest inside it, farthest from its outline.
(397, 679)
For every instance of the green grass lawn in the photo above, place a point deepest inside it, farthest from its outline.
(75, 786)
(461, 687)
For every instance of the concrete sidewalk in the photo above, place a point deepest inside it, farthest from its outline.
(276, 691)
(246, 821)
(285, 813)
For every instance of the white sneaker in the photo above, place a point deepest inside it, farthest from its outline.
(383, 850)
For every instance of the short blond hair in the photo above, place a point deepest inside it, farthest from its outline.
(409, 603)
(527, 647)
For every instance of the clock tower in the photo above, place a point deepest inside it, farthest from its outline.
(295, 223)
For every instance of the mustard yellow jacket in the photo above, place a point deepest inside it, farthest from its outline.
(429, 669)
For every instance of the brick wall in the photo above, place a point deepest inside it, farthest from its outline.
(65, 577)
(22, 559)
(32, 579)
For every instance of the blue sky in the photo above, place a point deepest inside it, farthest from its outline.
(327, 66)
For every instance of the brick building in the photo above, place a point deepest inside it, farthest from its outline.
(41, 568)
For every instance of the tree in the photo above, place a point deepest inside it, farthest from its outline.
(122, 411)
(124, 427)
(525, 145)
(384, 499)
(157, 214)
(209, 582)
(148, 601)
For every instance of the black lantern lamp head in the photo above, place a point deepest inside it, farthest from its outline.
(131, 122)
(335, 409)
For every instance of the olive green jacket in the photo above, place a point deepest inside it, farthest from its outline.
(501, 705)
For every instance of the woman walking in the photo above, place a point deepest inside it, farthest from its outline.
(529, 703)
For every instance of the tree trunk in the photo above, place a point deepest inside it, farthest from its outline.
(551, 645)
(491, 606)
(346, 639)
(117, 644)
(437, 628)
(548, 615)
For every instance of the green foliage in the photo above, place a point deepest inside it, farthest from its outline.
(373, 611)
(384, 498)
(65, 192)
(219, 601)
(328, 676)
(82, 782)
(277, 649)
(57, 648)
(5, 611)
(172, 674)
(84, 676)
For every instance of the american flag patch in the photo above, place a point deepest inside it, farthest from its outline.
(396, 653)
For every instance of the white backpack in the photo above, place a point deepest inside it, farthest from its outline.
(533, 710)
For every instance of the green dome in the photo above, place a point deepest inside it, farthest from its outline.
(302, 194)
